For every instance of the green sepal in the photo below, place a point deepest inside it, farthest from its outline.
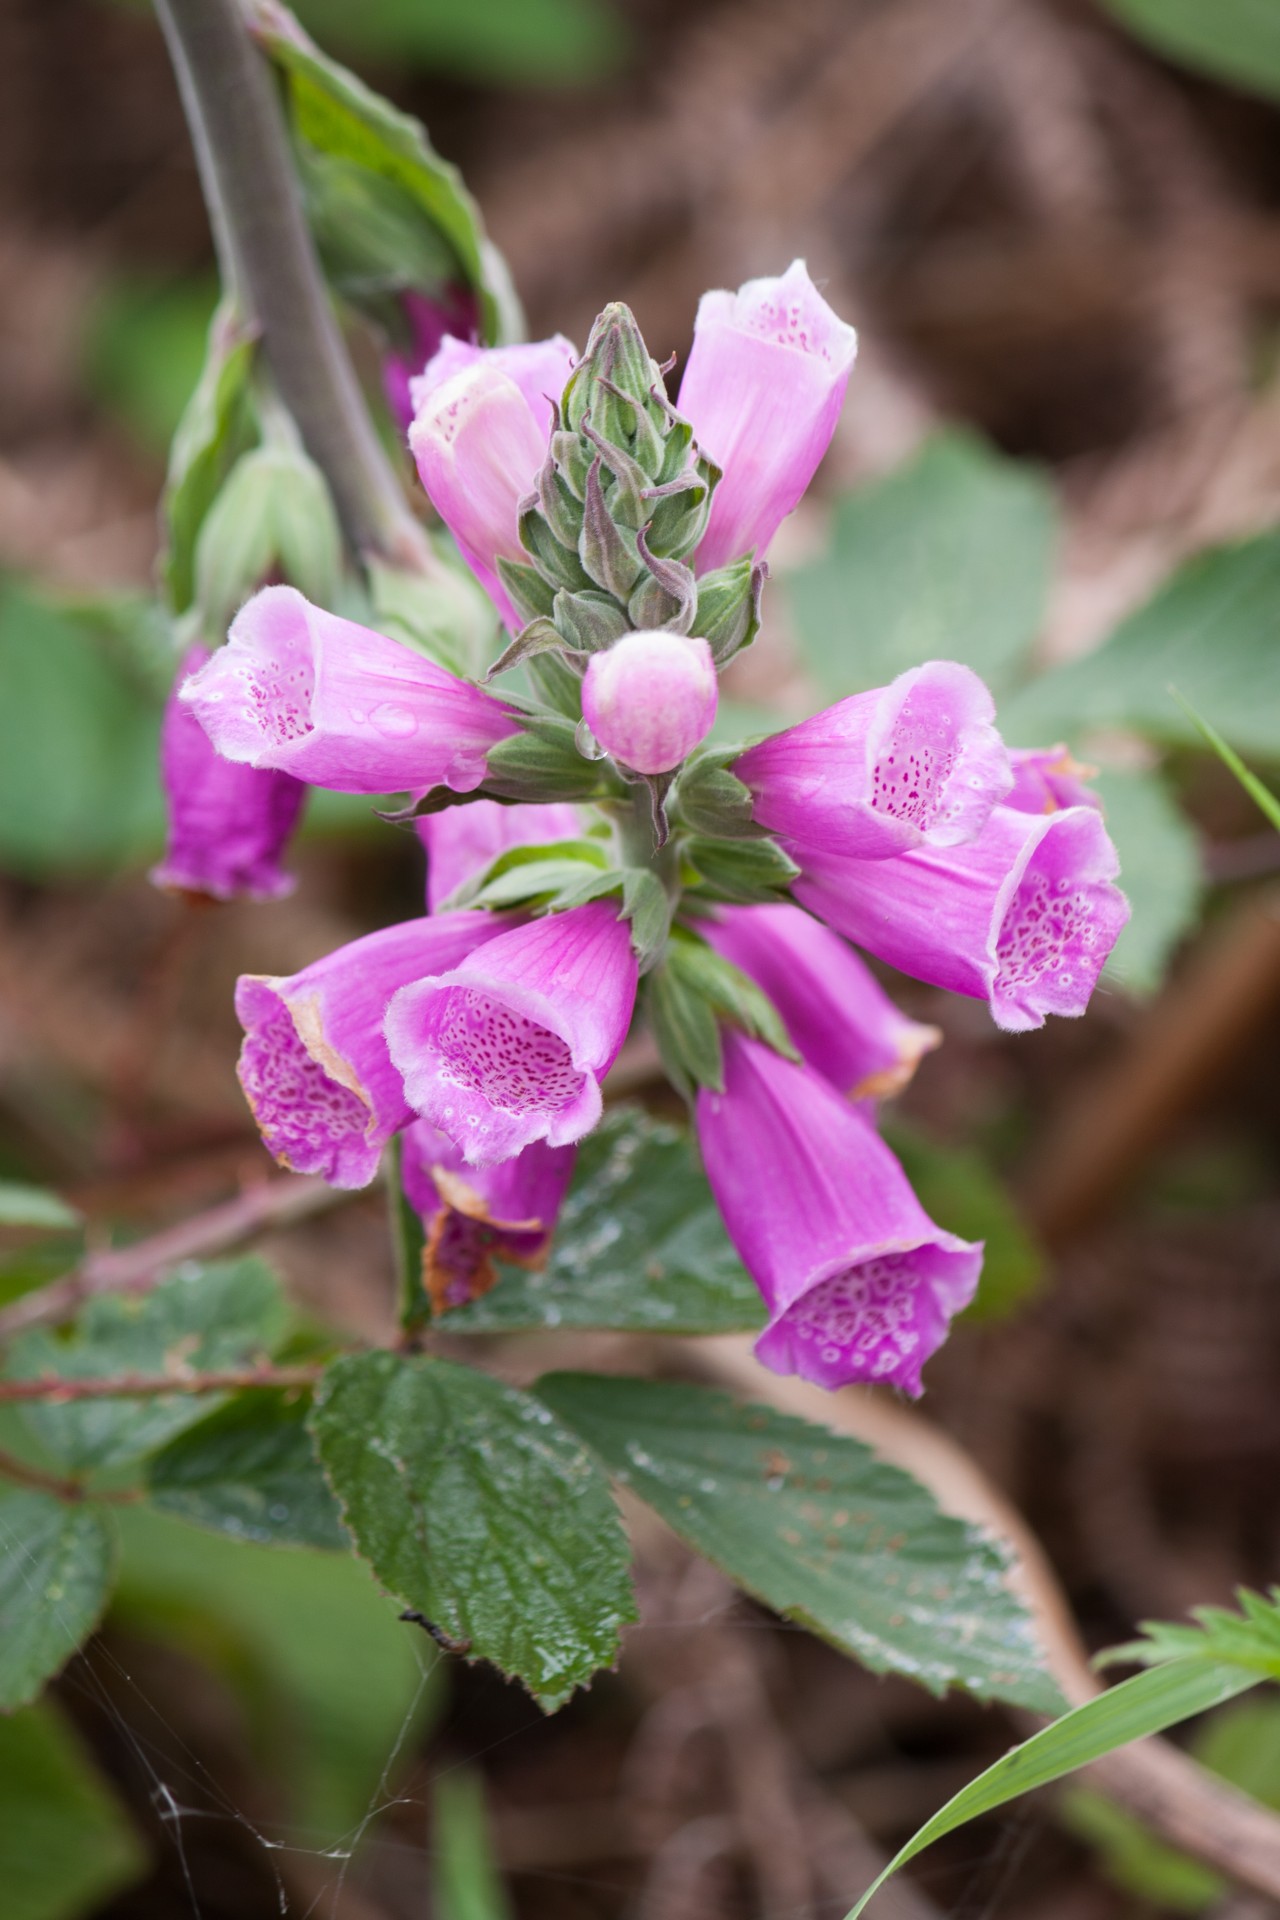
(728, 611)
(528, 873)
(647, 905)
(556, 565)
(273, 515)
(731, 993)
(607, 552)
(527, 591)
(216, 427)
(540, 636)
(589, 621)
(545, 765)
(558, 681)
(685, 1027)
(713, 801)
(745, 872)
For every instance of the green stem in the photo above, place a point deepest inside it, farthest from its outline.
(256, 211)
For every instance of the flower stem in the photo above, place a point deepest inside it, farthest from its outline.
(255, 208)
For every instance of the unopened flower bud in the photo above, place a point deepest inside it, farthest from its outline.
(651, 698)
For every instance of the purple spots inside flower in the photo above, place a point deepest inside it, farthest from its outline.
(1055, 936)
(308, 1121)
(909, 780)
(860, 1324)
(511, 1061)
(279, 685)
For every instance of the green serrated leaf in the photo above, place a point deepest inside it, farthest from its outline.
(1249, 1638)
(199, 1318)
(812, 1523)
(250, 1470)
(1209, 630)
(639, 1248)
(55, 1572)
(1233, 40)
(948, 558)
(35, 1207)
(476, 1508)
(1147, 1704)
(66, 1843)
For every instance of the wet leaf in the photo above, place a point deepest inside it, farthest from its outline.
(477, 1509)
(199, 1319)
(66, 1843)
(250, 1470)
(812, 1523)
(640, 1247)
(55, 1571)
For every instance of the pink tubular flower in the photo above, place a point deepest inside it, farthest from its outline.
(838, 1015)
(763, 390)
(228, 825)
(314, 1065)
(859, 1283)
(1046, 779)
(454, 315)
(338, 705)
(482, 422)
(461, 841)
(472, 1216)
(918, 762)
(650, 698)
(511, 1046)
(1024, 918)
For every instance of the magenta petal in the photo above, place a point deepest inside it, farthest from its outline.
(511, 1046)
(314, 1065)
(838, 1015)
(474, 1215)
(338, 705)
(455, 315)
(228, 825)
(1046, 779)
(918, 762)
(462, 841)
(479, 436)
(859, 1283)
(1024, 918)
(763, 390)
(650, 698)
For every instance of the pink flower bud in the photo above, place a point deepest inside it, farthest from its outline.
(341, 706)
(481, 426)
(228, 824)
(763, 390)
(651, 698)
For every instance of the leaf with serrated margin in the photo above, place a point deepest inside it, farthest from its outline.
(475, 1507)
(198, 1319)
(250, 1470)
(640, 1247)
(813, 1524)
(55, 1573)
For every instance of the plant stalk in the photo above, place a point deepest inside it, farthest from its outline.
(255, 208)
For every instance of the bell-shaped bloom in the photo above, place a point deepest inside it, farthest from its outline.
(650, 698)
(916, 763)
(840, 1019)
(314, 1065)
(1046, 779)
(461, 842)
(453, 313)
(859, 1283)
(228, 825)
(474, 1215)
(511, 1046)
(338, 705)
(763, 390)
(482, 422)
(1024, 918)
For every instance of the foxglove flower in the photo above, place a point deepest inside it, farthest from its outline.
(228, 825)
(462, 841)
(837, 1014)
(916, 763)
(333, 703)
(1024, 918)
(1046, 779)
(859, 1283)
(482, 421)
(511, 1046)
(314, 1065)
(763, 390)
(474, 1215)
(454, 314)
(650, 698)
